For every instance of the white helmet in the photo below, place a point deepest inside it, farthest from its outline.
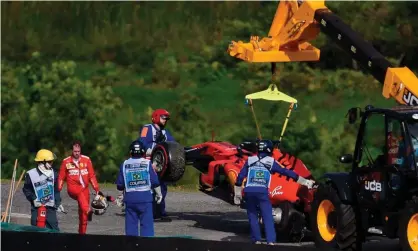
(99, 204)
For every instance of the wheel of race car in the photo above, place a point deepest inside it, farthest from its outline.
(291, 223)
(408, 226)
(333, 223)
(169, 157)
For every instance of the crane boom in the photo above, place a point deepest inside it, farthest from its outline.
(296, 23)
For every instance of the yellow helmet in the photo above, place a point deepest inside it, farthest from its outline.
(44, 155)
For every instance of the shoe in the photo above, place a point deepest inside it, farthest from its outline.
(163, 219)
(270, 243)
(166, 219)
(257, 242)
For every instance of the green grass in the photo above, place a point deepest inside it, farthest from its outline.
(223, 94)
(334, 115)
(139, 98)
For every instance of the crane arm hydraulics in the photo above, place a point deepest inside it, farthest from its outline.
(296, 23)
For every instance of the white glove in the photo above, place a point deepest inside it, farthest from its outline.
(37, 203)
(305, 182)
(61, 209)
(119, 200)
(158, 195)
(237, 195)
(149, 151)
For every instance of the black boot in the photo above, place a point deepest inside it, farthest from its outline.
(165, 218)
(90, 215)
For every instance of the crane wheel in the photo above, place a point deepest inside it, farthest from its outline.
(408, 226)
(333, 223)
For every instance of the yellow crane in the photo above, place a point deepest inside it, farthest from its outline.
(296, 23)
(381, 193)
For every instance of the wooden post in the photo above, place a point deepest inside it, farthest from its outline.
(5, 214)
(18, 183)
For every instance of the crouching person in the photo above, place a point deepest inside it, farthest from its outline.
(137, 179)
(41, 190)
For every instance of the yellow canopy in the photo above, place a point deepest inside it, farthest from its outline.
(272, 93)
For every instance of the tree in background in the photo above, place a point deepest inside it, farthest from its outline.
(46, 106)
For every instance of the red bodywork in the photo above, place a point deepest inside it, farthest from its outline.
(211, 157)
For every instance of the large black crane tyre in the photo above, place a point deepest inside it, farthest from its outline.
(170, 159)
(333, 223)
(408, 226)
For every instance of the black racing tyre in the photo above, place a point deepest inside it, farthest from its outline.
(291, 225)
(408, 226)
(333, 224)
(169, 158)
(283, 229)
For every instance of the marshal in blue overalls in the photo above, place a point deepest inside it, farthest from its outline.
(150, 136)
(137, 179)
(258, 170)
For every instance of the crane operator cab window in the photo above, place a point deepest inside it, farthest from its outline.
(401, 150)
(401, 154)
(395, 142)
(412, 152)
(373, 145)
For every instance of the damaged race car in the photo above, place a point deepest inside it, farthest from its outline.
(220, 163)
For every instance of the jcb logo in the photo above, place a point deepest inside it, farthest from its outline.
(409, 98)
(373, 186)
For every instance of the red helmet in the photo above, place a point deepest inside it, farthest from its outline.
(157, 114)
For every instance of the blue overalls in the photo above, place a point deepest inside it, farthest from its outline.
(149, 135)
(258, 171)
(137, 178)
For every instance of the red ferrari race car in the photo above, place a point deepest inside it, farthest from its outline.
(220, 162)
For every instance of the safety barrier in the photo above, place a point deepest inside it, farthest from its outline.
(16, 241)
(24, 228)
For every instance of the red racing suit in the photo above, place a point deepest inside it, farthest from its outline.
(78, 177)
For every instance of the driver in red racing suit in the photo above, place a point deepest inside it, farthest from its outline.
(78, 171)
